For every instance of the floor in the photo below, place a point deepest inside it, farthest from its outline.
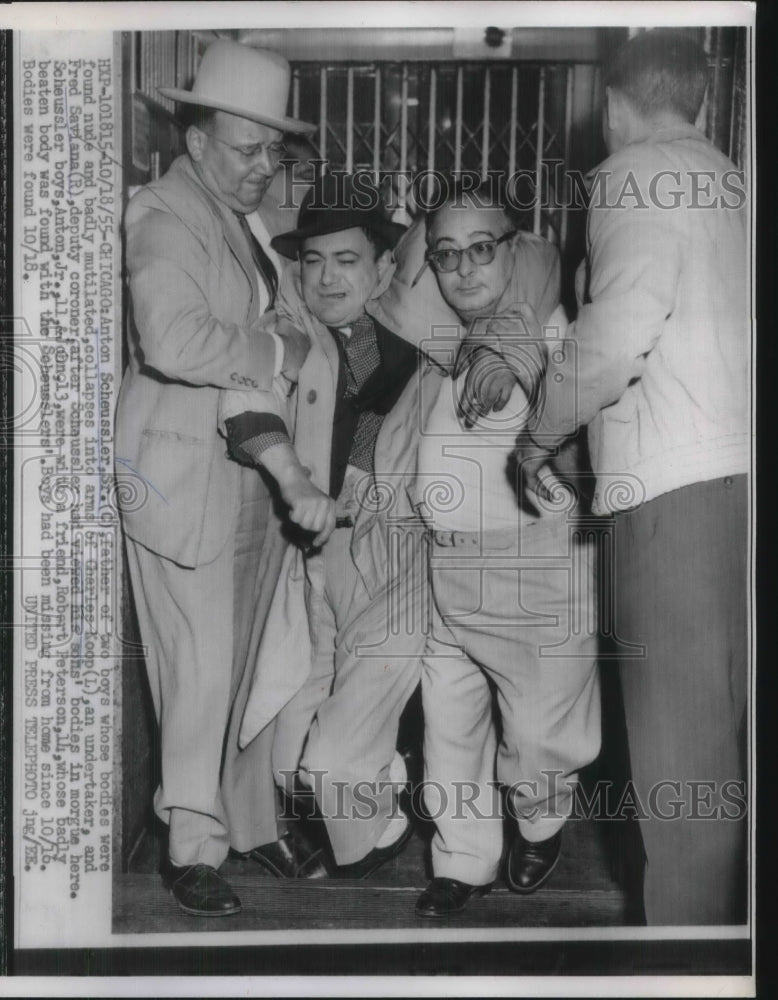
(581, 893)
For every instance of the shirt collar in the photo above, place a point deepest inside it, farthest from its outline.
(361, 323)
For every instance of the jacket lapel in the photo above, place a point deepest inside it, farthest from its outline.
(236, 241)
(396, 354)
(398, 360)
(233, 234)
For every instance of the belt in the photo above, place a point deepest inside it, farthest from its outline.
(475, 539)
(344, 522)
(456, 538)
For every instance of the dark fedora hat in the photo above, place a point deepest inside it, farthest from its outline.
(335, 202)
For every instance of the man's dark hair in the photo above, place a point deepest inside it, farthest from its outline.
(488, 193)
(660, 71)
(196, 115)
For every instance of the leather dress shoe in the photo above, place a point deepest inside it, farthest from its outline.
(530, 863)
(291, 856)
(200, 890)
(444, 896)
(375, 858)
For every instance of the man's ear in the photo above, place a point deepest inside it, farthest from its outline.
(195, 142)
(612, 109)
(385, 266)
(624, 123)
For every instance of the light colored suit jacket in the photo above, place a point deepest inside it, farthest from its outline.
(660, 353)
(196, 330)
(419, 315)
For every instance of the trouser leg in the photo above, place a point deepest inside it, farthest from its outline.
(352, 740)
(461, 793)
(530, 622)
(188, 651)
(247, 785)
(681, 587)
(196, 665)
(527, 621)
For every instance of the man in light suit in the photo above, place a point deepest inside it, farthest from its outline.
(204, 545)
(510, 587)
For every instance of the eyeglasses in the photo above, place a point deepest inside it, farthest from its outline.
(274, 150)
(482, 252)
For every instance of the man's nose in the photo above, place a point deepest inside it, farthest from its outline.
(328, 273)
(265, 162)
(466, 266)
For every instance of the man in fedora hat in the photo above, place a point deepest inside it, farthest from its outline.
(337, 656)
(204, 547)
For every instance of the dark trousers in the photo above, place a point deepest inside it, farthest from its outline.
(681, 592)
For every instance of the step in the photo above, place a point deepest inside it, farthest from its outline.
(581, 893)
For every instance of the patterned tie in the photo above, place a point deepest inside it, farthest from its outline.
(362, 354)
(363, 358)
(262, 262)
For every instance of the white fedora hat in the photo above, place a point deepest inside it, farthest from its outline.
(247, 82)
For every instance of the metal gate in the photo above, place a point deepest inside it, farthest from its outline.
(403, 120)
(399, 119)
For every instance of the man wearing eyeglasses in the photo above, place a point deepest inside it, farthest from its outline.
(204, 546)
(511, 586)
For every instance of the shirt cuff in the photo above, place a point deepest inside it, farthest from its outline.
(252, 449)
(249, 434)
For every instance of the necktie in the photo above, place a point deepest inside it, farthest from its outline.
(362, 354)
(261, 260)
(362, 359)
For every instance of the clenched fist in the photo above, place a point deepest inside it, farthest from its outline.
(309, 507)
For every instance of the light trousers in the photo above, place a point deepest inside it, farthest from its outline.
(516, 612)
(201, 628)
(341, 727)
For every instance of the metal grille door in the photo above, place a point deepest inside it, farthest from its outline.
(410, 118)
(404, 118)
